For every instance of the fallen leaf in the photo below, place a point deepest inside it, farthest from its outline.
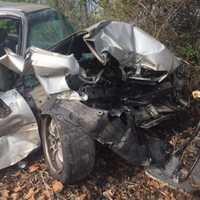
(18, 173)
(30, 195)
(34, 168)
(4, 194)
(108, 194)
(82, 197)
(42, 197)
(18, 189)
(85, 192)
(47, 194)
(57, 186)
(14, 196)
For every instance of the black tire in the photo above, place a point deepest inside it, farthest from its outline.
(78, 151)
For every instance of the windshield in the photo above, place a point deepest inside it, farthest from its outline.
(46, 28)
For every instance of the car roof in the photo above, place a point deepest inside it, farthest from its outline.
(22, 7)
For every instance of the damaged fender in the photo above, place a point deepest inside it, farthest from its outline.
(51, 69)
(95, 123)
(19, 134)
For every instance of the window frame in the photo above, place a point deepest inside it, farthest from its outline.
(20, 42)
(33, 15)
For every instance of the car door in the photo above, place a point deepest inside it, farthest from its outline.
(10, 37)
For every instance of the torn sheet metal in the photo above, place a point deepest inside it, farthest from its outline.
(182, 169)
(19, 134)
(168, 176)
(51, 69)
(12, 61)
(72, 96)
(129, 45)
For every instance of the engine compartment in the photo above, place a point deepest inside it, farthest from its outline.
(111, 86)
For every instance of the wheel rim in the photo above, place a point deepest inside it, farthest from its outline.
(54, 145)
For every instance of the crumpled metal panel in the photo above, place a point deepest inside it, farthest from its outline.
(19, 134)
(129, 45)
(72, 96)
(12, 61)
(51, 69)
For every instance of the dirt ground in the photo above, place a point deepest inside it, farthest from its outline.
(111, 179)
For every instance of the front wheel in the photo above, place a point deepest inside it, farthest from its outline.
(69, 153)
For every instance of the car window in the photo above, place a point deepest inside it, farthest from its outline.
(9, 34)
(46, 29)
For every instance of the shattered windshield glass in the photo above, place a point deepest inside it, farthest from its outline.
(48, 28)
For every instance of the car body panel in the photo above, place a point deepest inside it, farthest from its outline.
(19, 129)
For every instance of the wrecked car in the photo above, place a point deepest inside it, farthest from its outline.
(116, 84)
(111, 83)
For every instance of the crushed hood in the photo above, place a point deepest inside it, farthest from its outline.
(129, 45)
